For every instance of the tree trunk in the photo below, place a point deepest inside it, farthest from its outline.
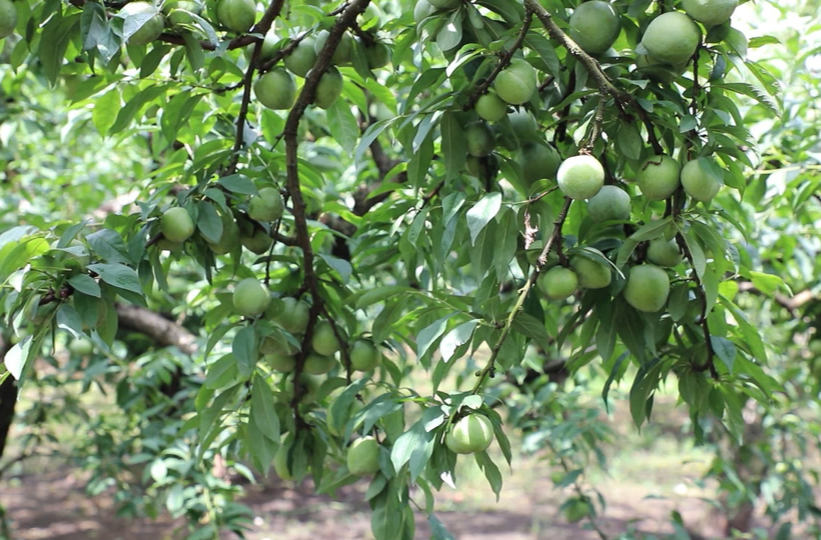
(8, 400)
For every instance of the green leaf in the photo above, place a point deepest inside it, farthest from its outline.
(530, 326)
(428, 336)
(454, 146)
(59, 31)
(450, 34)
(106, 109)
(343, 125)
(482, 212)
(245, 350)
(118, 275)
(262, 409)
(238, 183)
(491, 471)
(85, 284)
(456, 338)
(415, 446)
(725, 350)
(209, 222)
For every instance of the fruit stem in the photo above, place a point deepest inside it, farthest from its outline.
(504, 61)
(555, 238)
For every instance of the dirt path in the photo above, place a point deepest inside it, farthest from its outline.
(54, 506)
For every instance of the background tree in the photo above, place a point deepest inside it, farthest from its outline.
(316, 237)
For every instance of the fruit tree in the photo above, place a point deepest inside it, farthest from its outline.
(371, 239)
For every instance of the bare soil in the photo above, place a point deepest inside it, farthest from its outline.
(54, 506)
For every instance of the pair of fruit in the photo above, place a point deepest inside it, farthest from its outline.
(276, 89)
(660, 176)
(559, 282)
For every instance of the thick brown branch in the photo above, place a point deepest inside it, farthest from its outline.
(504, 61)
(790, 303)
(292, 184)
(155, 326)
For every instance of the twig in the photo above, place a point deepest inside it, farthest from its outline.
(283, 52)
(504, 61)
(578, 489)
(555, 237)
(262, 28)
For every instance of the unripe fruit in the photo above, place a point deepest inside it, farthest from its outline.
(337, 431)
(323, 340)
(378, 55)
(364, 355)
(258, 241)
(251, 297)
(592, 274)
(647, 288)
(671, 38)
(317, 364)
(445, 4)
(558, 283)
(698, 180)
(280, 362)
(517, 82)
(176, 225)
(580, 177)
(149, 30)
(329, 88)
(276, 89)
(658, 71)
(363, 456)
(609, 204)
(174, 11)
(342, 54)
(230, 235)
(577, 510)
(270, 46)
(710, 12)
(8, 18)
(302, 58)
(523, 123)
(664, 252)
(81, 346)
(484, 168)
(237, 15)
(479, 138)
(658, 177)
(266, 205)
(293, 316)
(490, 107)
(472, 433)
(538, 161)
(594, 26)
(422, 10)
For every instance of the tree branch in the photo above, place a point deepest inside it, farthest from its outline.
(158, 328)
(555, 238)
(624, 101)
(292, 184)
(262, 28)
(504, 61)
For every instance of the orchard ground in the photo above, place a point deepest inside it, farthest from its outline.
(653, 473)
